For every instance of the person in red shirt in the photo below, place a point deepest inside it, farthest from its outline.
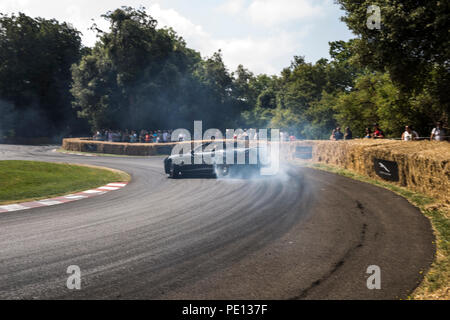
(377, 132)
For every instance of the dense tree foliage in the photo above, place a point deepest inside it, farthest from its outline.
(35, 78)
(139, 76)
(412, 45)
(302, 99)
(398, 75)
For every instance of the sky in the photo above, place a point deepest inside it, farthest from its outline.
(262, 35)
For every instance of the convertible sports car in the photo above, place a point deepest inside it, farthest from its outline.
(177, 166)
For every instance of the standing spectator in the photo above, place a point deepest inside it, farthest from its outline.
(126, 136)
(116, 136)
(338, 135)
(165, 137)
(255, 136)
(98, 136)
(333, 137)
(368, 134)
(348, 134)
(438, 133)
(133, 137)
(377, 133)
(245, 135)
(409, 134)
(142, 136)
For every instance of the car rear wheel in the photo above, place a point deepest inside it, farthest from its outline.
(222, 171)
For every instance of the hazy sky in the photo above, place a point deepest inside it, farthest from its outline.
(263, 35)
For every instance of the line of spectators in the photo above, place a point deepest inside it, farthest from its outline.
(437, 134)
(337, 135)
(165, 136)
(246, 134)
(144, 136)
(376, 133)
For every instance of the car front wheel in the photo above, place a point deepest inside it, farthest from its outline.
(175, 172)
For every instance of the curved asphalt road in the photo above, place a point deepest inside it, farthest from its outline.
(306, 235)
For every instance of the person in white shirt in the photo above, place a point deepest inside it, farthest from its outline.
(438, 133)
(409, 134)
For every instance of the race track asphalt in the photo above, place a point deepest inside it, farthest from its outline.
(304, 235)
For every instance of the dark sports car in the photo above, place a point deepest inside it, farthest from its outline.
(180, 165)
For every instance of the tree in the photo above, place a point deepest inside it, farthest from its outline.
(35, 75)
(412, 44)
(375, 100)
(261, 98)
(138, 76)
(308, 90)
(108, 82)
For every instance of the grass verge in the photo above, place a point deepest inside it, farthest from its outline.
(436, 283)
(22, 181)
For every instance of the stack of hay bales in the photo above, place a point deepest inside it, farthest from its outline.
(118, 148)
(129, 149)
(424, 166)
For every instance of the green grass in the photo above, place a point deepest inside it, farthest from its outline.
(437, 281)
(29, 180)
